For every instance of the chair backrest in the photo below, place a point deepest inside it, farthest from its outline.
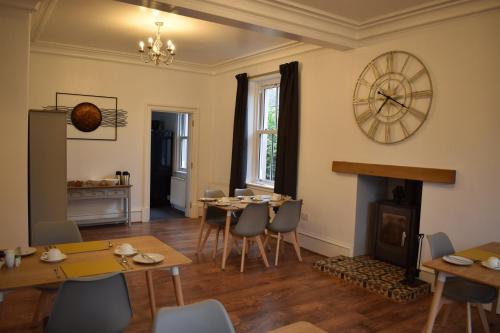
(253, 220)
(45, 233)
(213, 212)
(98, 304)
(213, 193)
(440, 245)
(208, 316)
(288, 216)
(243, 192)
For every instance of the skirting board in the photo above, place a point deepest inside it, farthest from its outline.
(322, 245)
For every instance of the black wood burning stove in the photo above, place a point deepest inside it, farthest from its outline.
(397, 238)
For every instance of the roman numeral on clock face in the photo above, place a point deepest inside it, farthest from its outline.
(363, 117)
(373, 127)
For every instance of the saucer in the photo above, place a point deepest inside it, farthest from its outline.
(457, 260)
(26, 251)
(220, 203)
(485, 264)
(118, 252)
(208, 199)
(45, 259)
(148, 258)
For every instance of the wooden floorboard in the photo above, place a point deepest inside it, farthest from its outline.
(257, 300)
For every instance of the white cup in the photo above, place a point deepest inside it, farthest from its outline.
(493, 262)
(125, 248)
(10, 258)
(54, 254)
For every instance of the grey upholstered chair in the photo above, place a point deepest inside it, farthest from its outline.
(243, 192)
(457, 289)
(208, 317)
(251, 225)
(98, 304)
(48, 233)
(285, 222)
(215, 220)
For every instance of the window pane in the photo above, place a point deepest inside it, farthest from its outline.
(267, 156)
(269, 108)
(183, 124)
(183, 153)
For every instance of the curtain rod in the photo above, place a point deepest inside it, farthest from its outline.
(263, 74)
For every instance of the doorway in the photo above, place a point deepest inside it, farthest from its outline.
(169, 177)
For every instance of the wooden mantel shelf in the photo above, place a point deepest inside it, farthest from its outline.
(394, 171)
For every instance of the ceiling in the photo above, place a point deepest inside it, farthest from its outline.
(361, 10)
(216, 33)
(117, 26)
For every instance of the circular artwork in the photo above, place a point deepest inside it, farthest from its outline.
(86, 117)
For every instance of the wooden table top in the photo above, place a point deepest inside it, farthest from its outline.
(475, 272)
(238, 205)
(33, 271)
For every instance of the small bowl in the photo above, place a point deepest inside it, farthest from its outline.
(112, 181)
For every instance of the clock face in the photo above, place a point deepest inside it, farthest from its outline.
(393, 97)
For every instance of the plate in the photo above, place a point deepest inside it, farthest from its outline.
(208, 199)
(120, 253)
(148, 258)
(45, 259)
(26, 251)
(219, 203)
(485, 264)
(261, 197)
(457, 260)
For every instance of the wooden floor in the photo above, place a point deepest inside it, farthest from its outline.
(257, 300)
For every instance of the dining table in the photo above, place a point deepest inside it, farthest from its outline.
(233, 205)
(475, 272)
(94, 258)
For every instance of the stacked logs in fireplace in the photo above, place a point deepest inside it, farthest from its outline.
(397, 238)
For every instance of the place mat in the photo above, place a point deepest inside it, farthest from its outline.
(69, 248)
(476, 254)
(94, 267)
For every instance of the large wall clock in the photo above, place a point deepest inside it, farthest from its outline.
(392, 97)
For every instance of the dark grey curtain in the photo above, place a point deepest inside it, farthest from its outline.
(239, 155)
(285, 181)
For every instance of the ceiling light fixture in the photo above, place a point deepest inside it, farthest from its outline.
(155, 51)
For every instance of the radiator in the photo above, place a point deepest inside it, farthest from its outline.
(178, 193)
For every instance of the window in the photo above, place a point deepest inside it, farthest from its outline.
(182, 141)
(265, 113)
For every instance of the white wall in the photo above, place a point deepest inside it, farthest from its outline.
(14, 65)
(461, 132)
(135, 86)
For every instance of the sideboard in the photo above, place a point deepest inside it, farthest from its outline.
(121, 192)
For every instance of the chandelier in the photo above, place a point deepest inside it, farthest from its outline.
(155, 51)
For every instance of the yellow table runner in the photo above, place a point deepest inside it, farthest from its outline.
(69, 248)
(89, 268)
(476, 254)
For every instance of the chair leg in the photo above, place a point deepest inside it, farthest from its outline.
(206, 237)
(234, 245)
(469, 318)
(296, 246)
(482, 315)
(262, 251)
(277, 249)
(494, 307)
(243, 248)
(40, 307)
(216, 241)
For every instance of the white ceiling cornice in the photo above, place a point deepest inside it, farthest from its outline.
(27, 5)
(288, 49)
(41, 17)
(310, 25)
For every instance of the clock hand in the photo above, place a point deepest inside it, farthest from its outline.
(381, 106)
(392, 99)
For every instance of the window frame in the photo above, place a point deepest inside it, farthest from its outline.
(178, 143)
(256, 102)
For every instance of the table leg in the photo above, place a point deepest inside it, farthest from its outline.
(226, 237)
(151, 293)
(436, 302)
(202, 225)
(1, 303)
(176, 279)
(129, 209)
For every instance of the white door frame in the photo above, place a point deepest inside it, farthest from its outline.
(193, 138)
